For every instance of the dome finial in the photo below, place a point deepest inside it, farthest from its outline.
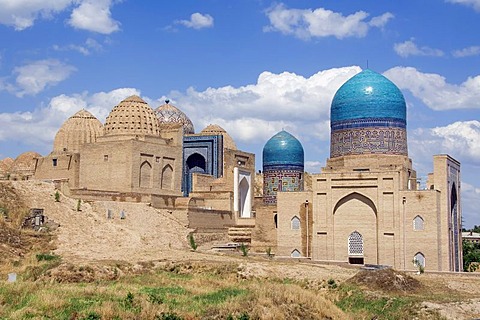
(167, 101)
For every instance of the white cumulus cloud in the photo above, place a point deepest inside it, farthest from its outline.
(467, 52)
(95, 16)
(197, 21)
(475, 4)
(85, 49)
(21, 14)
(34, 77)
(433, 90)
(275, 101)
(308, 23)
(410, 48)
(38, 128)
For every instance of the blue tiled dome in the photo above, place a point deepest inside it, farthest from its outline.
(283, 149)
(368, 116)
(368, 95)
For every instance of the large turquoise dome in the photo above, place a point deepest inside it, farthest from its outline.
(283, 149)
(368, 95)
(368, 115)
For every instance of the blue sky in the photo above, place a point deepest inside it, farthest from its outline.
(251, 66)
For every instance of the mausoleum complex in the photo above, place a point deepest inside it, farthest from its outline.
(364, 207)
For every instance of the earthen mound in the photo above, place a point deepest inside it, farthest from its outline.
(388, 280)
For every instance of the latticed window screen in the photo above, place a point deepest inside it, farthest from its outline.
(295, 223)
(419, 259)
(355, 244)
(295, 254)
(418, 223)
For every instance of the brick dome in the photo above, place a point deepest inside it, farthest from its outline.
(215, 129)
(170, 116)
(25, 162)
(132, 116)
(80, 128)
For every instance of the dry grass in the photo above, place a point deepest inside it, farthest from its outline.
(213, 294)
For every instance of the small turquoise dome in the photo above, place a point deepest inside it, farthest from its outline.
(368, 95)
(283, 149)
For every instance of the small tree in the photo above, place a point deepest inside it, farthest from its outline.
(79, 205)
(57, 196)
(193, 244)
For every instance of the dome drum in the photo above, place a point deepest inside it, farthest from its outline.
(283, 166)
(368, 116)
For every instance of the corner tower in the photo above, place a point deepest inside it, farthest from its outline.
(283, 166)
(368, 116)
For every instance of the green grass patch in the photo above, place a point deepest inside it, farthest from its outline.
(219, 296)
(355, 301)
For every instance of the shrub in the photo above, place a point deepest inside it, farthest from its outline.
(57, 196)
(244, 249)
(79, 205)
(46, 257)
(193, 244)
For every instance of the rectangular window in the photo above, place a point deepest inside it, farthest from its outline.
(105, 157)
(54, 162)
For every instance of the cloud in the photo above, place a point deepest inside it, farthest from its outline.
(34, 77)
(433, 90)
(470, 204)
(286, 100)
(409, 48)
(475, 4)
(197, 21)
(38, 128)
(21, 14)
(460, 139)
(95, 16)
(467, 52)
(308, 23)
(85, 49)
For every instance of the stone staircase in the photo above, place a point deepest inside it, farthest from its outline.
(240, 234)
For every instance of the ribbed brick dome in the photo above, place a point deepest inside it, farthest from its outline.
(132, 116)
(80, 128)
(215, 129)
(170, 116)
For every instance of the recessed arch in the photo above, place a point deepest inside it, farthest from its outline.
(418, 223)
(295, 223)
(167, 177)
(196, 163)
(356, 196)
(295, 254)
(145, 179)
(243, 188)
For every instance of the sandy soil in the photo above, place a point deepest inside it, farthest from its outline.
(149, 234)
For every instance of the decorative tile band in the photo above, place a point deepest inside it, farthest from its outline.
(368, 122)
(370, 140)
(280, 180)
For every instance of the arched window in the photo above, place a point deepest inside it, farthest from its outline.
(419, 260)
(418, 223)
(355, 244)
(295, 223)
(295, 254)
